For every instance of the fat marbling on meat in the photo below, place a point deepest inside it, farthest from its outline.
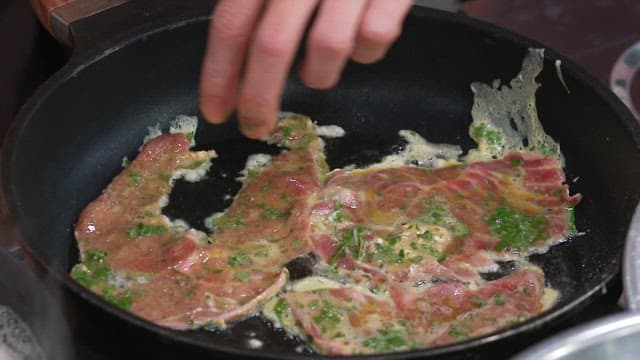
(409, 246)
(133, 256)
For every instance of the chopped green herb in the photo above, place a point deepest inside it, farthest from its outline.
(123, 300)
(239, 260)
(211, 326)
(401, 255)
(386, 254)
(242, 276)
(280, 308)
(273, 239)
(270, 213)
(143, 230)
(515, 162)
(426, 235)
(433, 252)
(93, 257)
(351, 243)
(515, 229)
(547, 149)
(92, 270)
(296, 133)
(458, 331)
(387, 340)
(330, 315)
(439, 214)
(338, 216)
(262, 252)
(226, 222)
(392, 239)
(190, 135)
(498, 299)
(333, 271)
(134, 178)
(314, 304)
(482, 133)
(286, 198)
(80, 274)
(476, 300)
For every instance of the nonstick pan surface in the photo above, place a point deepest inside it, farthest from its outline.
(69, 141)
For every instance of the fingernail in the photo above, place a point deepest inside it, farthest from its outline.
(252, 128)
(215, 109)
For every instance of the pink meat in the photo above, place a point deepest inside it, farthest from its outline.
(345, 321)
(365, 223)
(348, 321)
(104, 224)
(432, 293)
(177, 280)
(389, 198)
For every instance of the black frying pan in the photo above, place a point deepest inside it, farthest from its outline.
(68, 142)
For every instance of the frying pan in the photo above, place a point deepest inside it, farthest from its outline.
(69, 140)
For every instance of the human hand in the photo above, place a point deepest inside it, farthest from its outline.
(252, 44)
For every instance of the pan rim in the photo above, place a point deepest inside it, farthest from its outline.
(78, 62)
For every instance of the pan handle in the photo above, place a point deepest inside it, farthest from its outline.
(631, 266)
(82, 24)
(58, 15)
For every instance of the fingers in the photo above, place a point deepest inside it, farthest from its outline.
(270, 57)
(331, 42)
(380, 27)
(232, 24)
(266, 34)
(362, 30)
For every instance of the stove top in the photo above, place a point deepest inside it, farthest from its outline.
(594, 34)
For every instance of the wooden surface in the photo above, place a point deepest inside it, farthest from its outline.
(592, 33)
(44, 8)
(57, 15)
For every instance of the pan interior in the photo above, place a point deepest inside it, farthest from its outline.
(69, 147)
